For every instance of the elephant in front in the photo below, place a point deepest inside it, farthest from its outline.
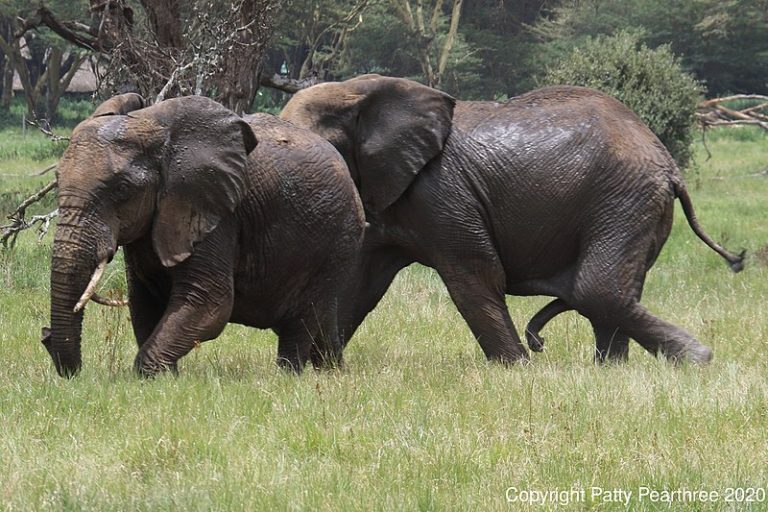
(221, 219)
(562, 191)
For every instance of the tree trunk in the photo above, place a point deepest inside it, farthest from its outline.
(450, 39)
(6, 34)
(4, 65)
(165, 19)
(53, 87)
(7, 79)
(240, 81)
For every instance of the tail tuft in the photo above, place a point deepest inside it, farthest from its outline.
(737, 263)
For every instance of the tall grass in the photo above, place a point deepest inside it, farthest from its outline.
(417, 420)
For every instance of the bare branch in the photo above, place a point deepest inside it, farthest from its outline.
(172, 80)
(45, 222)
(285, 84)
(44, 126)
(18, 223)
(37, 196)
(47, 169)
(72, 32)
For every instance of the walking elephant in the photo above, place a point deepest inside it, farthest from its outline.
(210, 234)
(562, 191)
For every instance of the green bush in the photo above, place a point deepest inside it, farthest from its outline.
(650, 82)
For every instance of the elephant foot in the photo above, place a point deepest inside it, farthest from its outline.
(693, 352)
(616, 353)
(602, 358)
(290, 365)
(535, 341)
(322, 360)
(147, 368)
(520, 358)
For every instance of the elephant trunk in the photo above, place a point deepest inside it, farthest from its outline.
(79, 249)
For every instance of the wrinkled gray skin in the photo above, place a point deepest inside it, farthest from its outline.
(562, 191)
(210, 234)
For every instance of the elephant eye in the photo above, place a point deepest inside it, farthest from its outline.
(123, 188)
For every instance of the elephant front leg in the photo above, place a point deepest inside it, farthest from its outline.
(148, 296)
(373, 274)
(146, 309)
(479, 298)
(199, 307)
(188, 321)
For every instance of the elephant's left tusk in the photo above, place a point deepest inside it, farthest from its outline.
(104, 301)
(91, 288)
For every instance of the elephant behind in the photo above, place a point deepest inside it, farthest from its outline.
(210, 234)
(562, 192)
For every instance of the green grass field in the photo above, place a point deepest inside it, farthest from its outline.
(417, 420)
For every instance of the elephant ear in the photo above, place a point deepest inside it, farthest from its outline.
(401, 126)
(120, 105)
(204, 180)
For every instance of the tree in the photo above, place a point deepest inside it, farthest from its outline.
(164, 48)
(44, 63)
(313, 35)
(425, 25)
(724, 43)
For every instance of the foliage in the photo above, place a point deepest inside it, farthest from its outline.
(417, 420)
(723, 43)
(71, 110)
(650, 82)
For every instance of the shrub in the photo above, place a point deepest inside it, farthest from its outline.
(650, 82)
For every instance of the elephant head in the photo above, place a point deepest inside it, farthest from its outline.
(170, 172)
(387, 129)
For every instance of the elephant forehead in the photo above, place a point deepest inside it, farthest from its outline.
(91, 152)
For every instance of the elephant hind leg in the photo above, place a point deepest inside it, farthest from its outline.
(294, 345)
(314, 336)
(607, 294)
(540, 319)
(611, 344)
(326, 349)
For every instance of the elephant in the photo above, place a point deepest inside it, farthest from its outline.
(221, 219)
(562, 191)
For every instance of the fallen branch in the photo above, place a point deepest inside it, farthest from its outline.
(47, 169)
(717, 101)
(713, 112)
(19, 223)
(44, 126)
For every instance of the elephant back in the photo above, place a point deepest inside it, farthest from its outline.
(300, 170)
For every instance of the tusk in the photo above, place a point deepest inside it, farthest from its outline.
(104, 301)
(88, 293)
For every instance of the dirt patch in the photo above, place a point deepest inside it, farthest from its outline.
(761, 256)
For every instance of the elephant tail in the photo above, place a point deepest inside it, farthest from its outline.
(735, 261)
